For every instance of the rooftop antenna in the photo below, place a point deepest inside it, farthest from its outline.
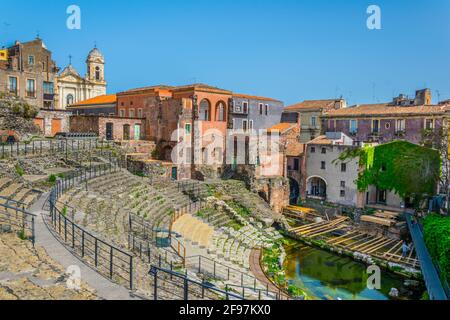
(95, 44)
(438, 95)
(38, 35)
(70, 59)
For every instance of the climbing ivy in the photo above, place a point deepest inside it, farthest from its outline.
(402, 167)
(437, 239)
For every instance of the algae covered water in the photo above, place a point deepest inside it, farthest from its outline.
(328, 276)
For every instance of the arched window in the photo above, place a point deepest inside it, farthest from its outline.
(220, 111)
(205, 111)
(97, 73)
(69, 99)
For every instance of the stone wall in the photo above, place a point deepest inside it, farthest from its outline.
(98, 125)
(53, 121)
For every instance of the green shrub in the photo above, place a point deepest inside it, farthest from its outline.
(437, 239)
(52, 178)
(19, 170)
(22, 236)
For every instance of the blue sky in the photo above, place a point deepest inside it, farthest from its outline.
(290, 50)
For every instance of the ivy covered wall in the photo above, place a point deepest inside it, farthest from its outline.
(407, 169)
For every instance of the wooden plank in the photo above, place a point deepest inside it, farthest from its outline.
(369, 245)
(327, 231)
(393, 248)
(347, 239)
(341, 237)
(382, 245)
(308, 226)
(364, 244)
(376, 220)
(322, 227)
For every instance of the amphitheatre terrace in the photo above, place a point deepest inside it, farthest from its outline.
(142, 237)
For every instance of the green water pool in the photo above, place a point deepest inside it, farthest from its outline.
(328, 276)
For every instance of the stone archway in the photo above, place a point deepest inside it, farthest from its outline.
(316, 187)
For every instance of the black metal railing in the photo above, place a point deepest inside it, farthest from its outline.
(107, 259)
(178, 286)
(18, 219)
(51, 147)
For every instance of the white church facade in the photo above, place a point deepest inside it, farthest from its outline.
(73, 88)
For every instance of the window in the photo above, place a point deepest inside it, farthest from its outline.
(296, 164)
(342, 193)
(245, 107)
(205, 110)
(324, 150)
(31, 60)
(353, 126)
(187, 128)
(267, 109)
(313, 149)
(131, 103)
(313, 121)
(237, 108)
(97, 73)
(375, 126)
(400, 125)
(69, 99)
(122, 104)
(48, 88)
(250, 125)
(261, 106)
(13, 85)
(387, 125)
(122, 113)
(131, 113)
(342, 184)
(140, 113)
(31, 88)
(323, 165)
(220, 112)
(343, 167)
(429, 124)
(245, 125)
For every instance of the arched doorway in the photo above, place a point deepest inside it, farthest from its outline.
(294, 191)
(317, 187)
(205, 110)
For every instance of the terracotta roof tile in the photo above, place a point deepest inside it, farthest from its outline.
(385, 110)
(247, 96)
(313, 104)
(104, 99)
(321, 140)
(282, 127)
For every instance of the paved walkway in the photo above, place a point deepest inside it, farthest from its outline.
(432, 281)
(255, 267)
(105, 289)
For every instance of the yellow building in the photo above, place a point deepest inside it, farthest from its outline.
(4, 55)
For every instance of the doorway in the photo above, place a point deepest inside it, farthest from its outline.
(109, 131)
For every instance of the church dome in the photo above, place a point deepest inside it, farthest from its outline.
(95, 53)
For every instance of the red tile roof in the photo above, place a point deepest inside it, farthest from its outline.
(386, 110)
(282, 127)
(313, 105)
(104, 99)
(246, 96)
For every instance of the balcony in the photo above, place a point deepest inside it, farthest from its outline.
(49, 96)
